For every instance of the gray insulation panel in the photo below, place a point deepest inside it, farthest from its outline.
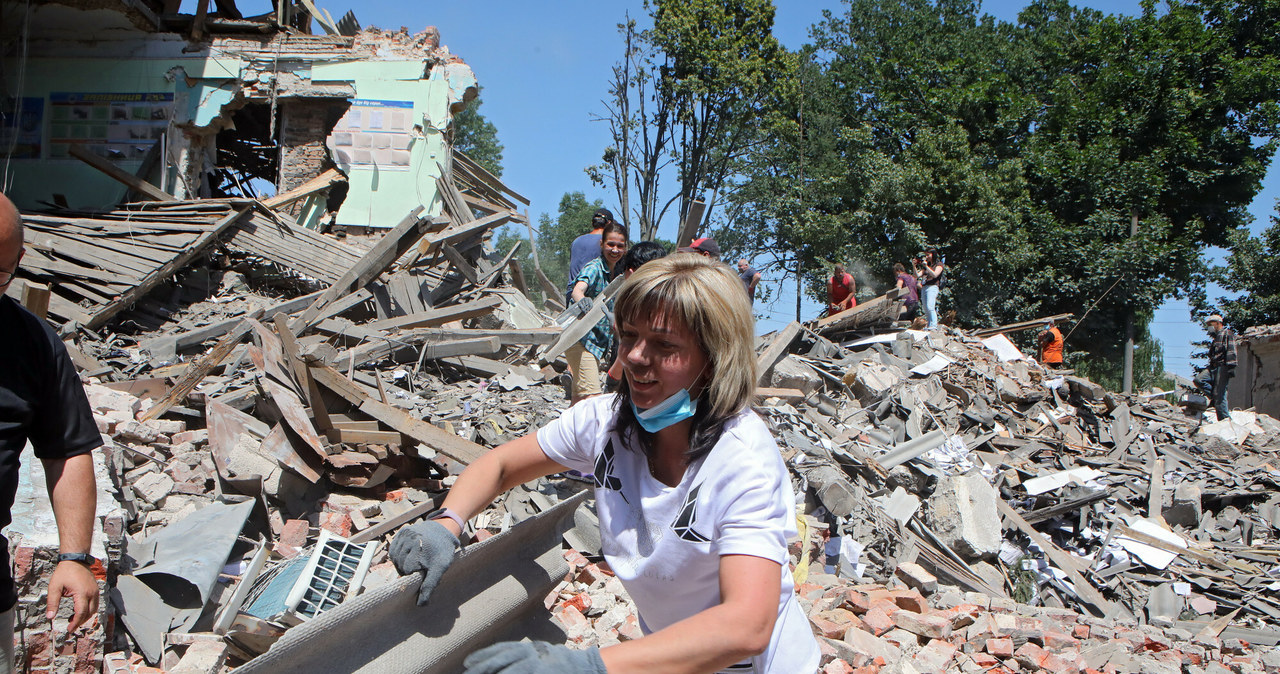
(493, 592)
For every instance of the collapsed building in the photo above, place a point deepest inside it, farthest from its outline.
(277, 400)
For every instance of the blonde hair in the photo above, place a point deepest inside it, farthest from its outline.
(707, 297)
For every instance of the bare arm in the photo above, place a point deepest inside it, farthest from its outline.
(506, 466)
(579, 291)
(73, 494)
(737, 628)
(754, 280)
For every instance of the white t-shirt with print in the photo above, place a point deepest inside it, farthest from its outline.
(664, 543)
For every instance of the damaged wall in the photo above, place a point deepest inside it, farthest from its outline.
(1257, 381)
(129, 94)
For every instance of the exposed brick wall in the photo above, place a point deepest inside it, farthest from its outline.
(48, 648)
(305, 123)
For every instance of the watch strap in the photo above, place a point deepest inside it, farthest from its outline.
(81, 557)
(440, 513)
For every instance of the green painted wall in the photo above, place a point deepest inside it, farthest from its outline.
(379, 197)
(40, 179)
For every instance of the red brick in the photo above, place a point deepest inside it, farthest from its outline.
(575, 559)
(855, 601)
(580, 601)
(926, 625)
(834, 623)
(877, 621)
(837, 667)
(1057, 641)
(985, 660)
(23, 560)
(1080, 631)
(935, 656)
(336, 523)
(1001, 648)
(591, 574)
(910, 600)
(295, 533)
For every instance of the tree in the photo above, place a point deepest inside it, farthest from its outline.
(1254, 275)
(475, 136)
(1023, 151)
(689, 96)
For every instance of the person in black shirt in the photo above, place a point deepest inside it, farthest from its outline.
(42, 401)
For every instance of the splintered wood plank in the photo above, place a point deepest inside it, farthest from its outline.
(776, 350)
(164, 272)
(459, 449)
(202, 367)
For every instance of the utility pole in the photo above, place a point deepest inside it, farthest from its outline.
(1128, 320)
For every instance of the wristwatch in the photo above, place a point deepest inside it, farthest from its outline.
(440, 513)
(82, 557)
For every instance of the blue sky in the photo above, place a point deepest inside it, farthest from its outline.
(544, 68)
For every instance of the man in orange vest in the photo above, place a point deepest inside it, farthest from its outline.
(1051, 346)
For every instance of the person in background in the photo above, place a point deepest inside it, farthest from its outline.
(910, 303)
(588, 353)
(42, 402)
(706, 247)
(1222, 363)
(840, 291)
(694, 501)
(750, 278)
(1051, 346)
(586, 247)
(929, 270)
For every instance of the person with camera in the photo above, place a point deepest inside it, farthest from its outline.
(929, 269)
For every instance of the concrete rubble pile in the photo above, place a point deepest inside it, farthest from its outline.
(947, 459)
(963, 509)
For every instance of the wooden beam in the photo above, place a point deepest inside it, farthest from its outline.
(142, 187)
(1021, 325)
(368, 268)
(317, 184)
(852, 318)
(35, 297)
(459, 449)
(776, 350)
(362, 436)
(689, 229)
(437, 317)
(200, 369)
(162, 274)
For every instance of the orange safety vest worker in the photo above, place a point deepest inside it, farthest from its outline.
(1051, 346)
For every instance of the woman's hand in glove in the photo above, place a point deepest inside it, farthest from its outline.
(425, 546)
(536, 657)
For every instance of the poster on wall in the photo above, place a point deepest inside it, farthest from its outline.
(373, 134)
(21, 126)
(117, 126)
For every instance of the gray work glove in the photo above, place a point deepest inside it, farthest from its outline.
(582, 306)
(425, 546)
(537, 657)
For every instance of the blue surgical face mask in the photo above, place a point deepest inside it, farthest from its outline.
(671, 411)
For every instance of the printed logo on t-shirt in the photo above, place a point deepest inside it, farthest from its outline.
(688, 517)
(604, 477)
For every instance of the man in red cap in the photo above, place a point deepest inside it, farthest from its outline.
(706, 247)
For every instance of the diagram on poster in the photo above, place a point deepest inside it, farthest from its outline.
(373, 133)
(117, 126)
(22, 130)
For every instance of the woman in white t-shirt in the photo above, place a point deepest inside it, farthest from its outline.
(694, 501)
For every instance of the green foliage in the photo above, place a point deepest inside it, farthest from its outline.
(477, 137)
(555, 236)
(689, 98)
(1022, 151)
(1252, 271)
